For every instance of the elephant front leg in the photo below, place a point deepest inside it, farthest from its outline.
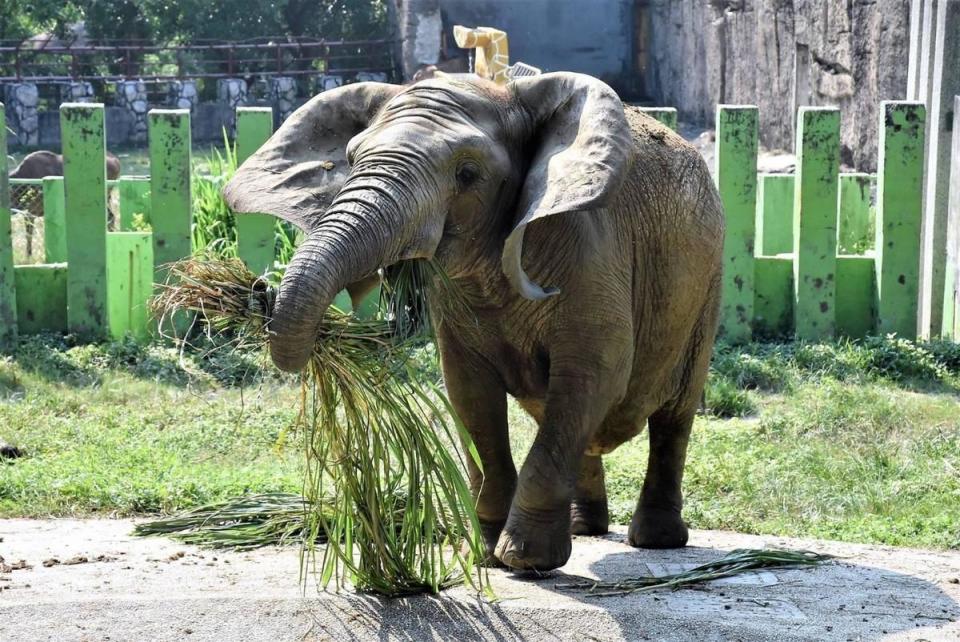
(537, 533)
(480, 400)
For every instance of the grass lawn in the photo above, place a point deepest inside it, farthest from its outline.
(857, 442)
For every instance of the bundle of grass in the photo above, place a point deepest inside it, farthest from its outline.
(383, 488)
(741, 560)
(242, 524)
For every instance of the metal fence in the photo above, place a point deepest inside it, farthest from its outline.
(109, 61)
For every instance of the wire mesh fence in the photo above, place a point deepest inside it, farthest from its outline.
(26, 205)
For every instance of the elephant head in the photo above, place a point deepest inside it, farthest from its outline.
(454, 169)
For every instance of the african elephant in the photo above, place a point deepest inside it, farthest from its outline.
(41, 164)
(584, 240)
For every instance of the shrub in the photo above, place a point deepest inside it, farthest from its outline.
(752, 372)
(725, 400)
(898, 358)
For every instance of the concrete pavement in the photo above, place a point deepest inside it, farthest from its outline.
(107, 585)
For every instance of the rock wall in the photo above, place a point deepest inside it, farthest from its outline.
(779, 55)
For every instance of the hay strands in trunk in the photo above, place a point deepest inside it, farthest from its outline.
(384, 483)
(741, 560)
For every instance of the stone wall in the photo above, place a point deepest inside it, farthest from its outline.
(35, 125)
(781, 54)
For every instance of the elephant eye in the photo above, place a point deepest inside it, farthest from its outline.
(467, 175)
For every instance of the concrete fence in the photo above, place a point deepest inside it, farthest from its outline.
(94, 282)
(813, 255)
(807, 255)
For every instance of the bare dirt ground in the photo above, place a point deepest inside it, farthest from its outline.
(90, 580)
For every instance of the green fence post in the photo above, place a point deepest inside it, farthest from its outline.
(130, 261)
(134, 192)
(665, 115)
(256, 238)
(899, 216)
(8, 288)
(42, 297)
(54, 221)
(856, 296)
(815, 222)
(854, 213)
(85, 206)
(773, 296)
(171, 214)
(736, 172)
(950, 326)
(774, 214)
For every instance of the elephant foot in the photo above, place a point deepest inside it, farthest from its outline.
(657, 528)
(535, 544)
(489, 534)
(589, 517)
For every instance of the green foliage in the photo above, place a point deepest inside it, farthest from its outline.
(215, 224)
(751, 371)
(166, 21)
(899, 359)
(724, 399)
(120, 428)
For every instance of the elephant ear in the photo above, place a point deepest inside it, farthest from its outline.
(296, 174)
(583, 151)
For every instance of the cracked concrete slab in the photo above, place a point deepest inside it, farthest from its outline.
(117, 587)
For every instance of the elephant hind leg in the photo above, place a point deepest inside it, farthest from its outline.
(588, 511)
(656, 522)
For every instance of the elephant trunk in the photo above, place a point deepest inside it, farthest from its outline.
(357, 236)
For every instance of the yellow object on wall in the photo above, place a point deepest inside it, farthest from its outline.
(492, 58)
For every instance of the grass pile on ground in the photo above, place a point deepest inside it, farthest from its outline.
(253, 521)
(377, 438)
(741, 560)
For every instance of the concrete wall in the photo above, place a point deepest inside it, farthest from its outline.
(594, 37)
(779, 55)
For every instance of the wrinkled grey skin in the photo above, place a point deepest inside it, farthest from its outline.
(586, 242)
(41, 164)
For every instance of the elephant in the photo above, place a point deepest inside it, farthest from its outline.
(583, 240)
(41, 164)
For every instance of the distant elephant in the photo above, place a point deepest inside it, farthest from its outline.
(551, 177)
(41, 164)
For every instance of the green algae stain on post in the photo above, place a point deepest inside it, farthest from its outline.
(85, 205)
(736, 173)
(774, 214)
(54, 220)
(899, 214)
(171, 216)
(664, 115)
(256, 237)
(815, 222)
(8, 290)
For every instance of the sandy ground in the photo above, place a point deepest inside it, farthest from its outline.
(106, 585)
